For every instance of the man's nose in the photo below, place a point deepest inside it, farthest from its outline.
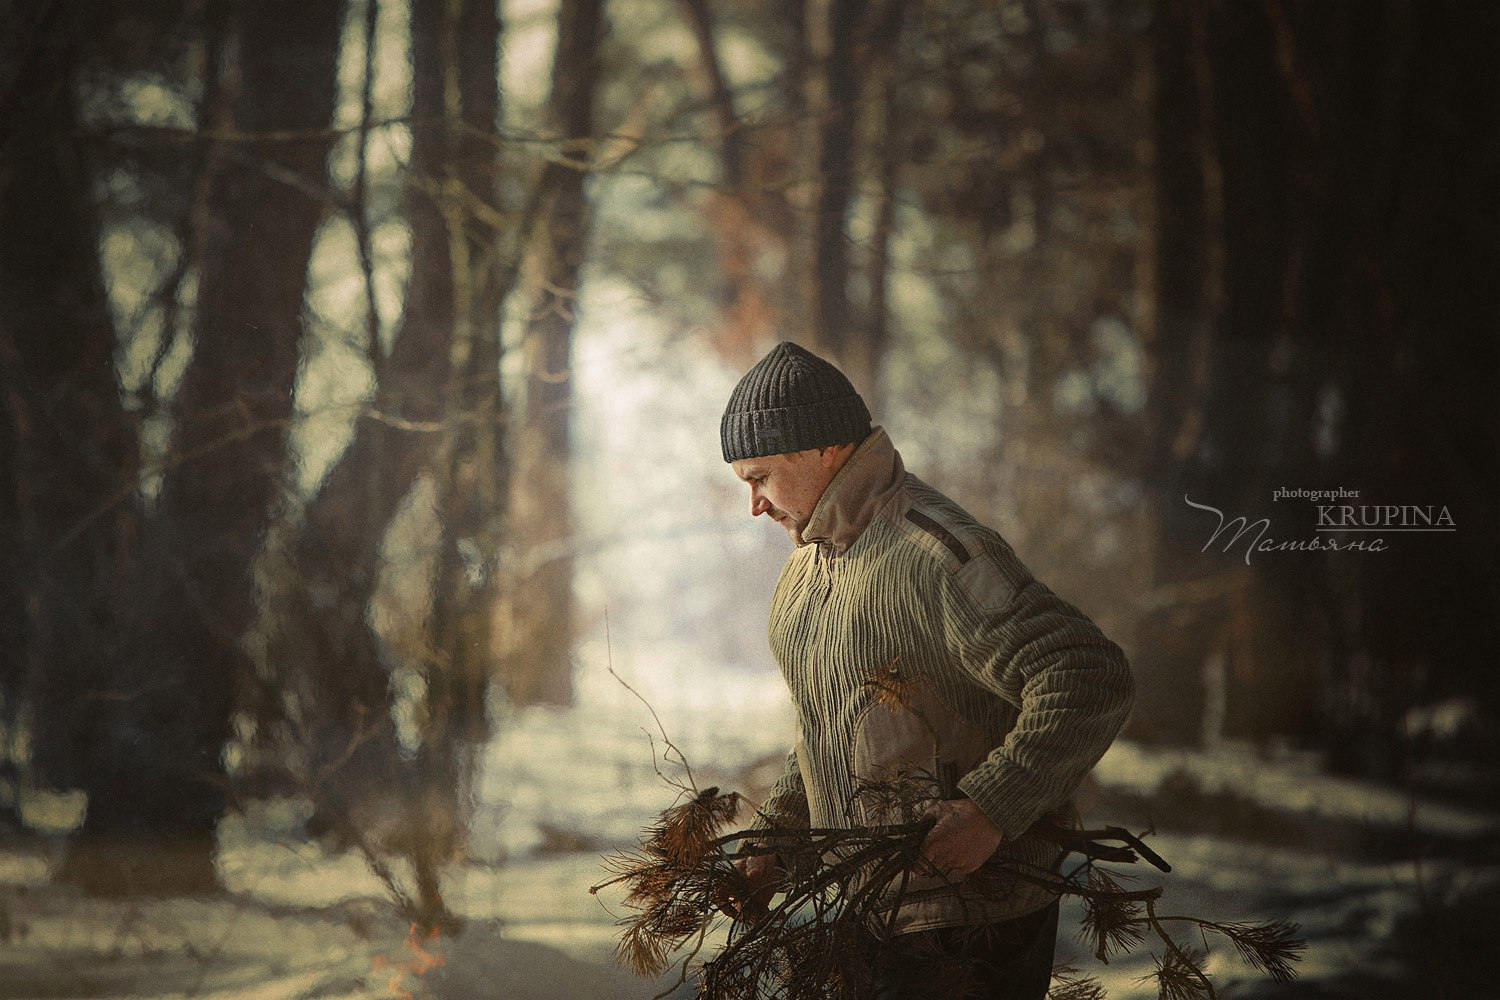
(758, 504)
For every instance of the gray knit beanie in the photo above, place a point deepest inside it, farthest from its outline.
(792, 400)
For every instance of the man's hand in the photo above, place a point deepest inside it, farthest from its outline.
(763, 875)
(961, 840)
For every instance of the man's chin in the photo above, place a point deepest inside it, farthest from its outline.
(790, 526)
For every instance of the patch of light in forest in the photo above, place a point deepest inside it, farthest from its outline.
(136, 257)
(748, 64)
(335, 376)
(391, 85)
(1119, 371)
(150, 102)
(526, 58)
(668, 40)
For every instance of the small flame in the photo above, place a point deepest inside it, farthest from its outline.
(423, 959)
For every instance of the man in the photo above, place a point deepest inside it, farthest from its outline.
(1008, 695)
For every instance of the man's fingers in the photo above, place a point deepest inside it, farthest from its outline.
(938, 858)
(934, 862)
(762, 878)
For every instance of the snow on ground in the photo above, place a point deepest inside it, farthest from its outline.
(561, 788)
(593, 769)
(1290, 783)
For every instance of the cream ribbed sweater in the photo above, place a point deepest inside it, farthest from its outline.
(1011, 688)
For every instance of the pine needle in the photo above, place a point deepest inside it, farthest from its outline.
(1111, 924)
(1180, 976)
(1068, 985)
(684, 831)
(1271, 948)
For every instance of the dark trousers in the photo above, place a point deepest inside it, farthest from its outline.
(1010, 960)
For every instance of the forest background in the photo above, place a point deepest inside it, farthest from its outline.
(361, 363)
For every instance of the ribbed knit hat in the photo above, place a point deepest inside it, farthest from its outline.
(792, 400)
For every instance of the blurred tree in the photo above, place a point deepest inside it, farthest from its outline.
(886, 155)
(325, 645)
(69, 459)
(13, 644)
(834, 27)
(13, 573)
(156, 774)
(538, 622)
(470, 471)
(1190, 290)
(746, 213)
(436, 420)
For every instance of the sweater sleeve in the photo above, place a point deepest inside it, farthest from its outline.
(1070, 684)
(786, 806)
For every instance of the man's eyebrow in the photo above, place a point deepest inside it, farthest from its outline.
(751, 471)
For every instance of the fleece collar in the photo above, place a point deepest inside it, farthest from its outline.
(861, 488)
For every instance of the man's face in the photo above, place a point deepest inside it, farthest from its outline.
(788, 487)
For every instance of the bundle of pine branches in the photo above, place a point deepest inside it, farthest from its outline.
(842, 888)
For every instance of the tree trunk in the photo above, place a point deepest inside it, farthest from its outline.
(537, 665)
(835, 106)
(886, 151)
(437, 409)
(473, 476)
(1189, 289)
(797, 183)
(325, 638)
(14, 571)
(469, 473)
(157, 786)
(67, 507)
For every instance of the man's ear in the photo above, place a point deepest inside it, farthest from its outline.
(830, 456)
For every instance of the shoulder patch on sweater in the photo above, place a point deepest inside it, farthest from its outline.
(947, 538)
(987, 584)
